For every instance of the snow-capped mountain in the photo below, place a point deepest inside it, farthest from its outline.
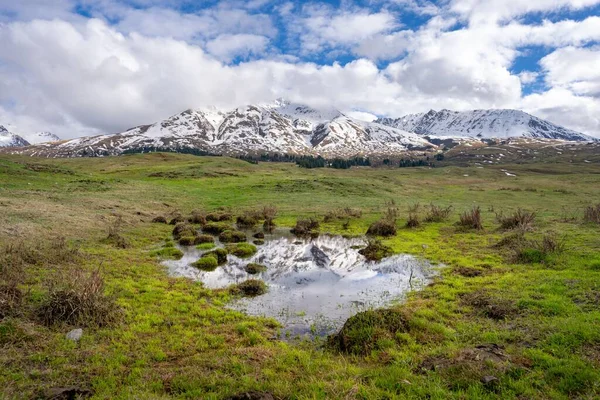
(482, 124)
(8, 139)
(280, 127)
(42, 137)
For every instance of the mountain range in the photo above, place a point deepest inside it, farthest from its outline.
(287, 128)
(9, 139)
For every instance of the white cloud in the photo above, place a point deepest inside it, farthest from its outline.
(227, 47)
(575, 69)
(76, 76)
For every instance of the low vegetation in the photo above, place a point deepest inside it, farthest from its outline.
(513, 313)
(520, 219)
(437, 213)
(231, 236)
(207, 262)
(592, 214)
(254, 268)
(375, 251)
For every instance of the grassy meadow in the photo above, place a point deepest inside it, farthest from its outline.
(515, 313)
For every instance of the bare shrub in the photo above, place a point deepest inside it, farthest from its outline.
(437, 213)
(519, 219)
(552, 243)
(269, 213)
(77, 298)
(114, 234)
(413, 220)
(592, 214)
(471, 219)
(383, 227)
(342, 214)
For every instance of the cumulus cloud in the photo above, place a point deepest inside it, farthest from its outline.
(133, 65)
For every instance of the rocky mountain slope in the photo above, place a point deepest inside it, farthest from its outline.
(482, 124)
(8, 139)
(280, 127)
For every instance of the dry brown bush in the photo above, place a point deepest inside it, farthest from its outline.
(471, 219)
(437, 213)
(519, 219)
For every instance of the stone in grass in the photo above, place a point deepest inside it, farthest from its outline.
(242, 250)
(231, 236)
(254, 268)
(208, 263)
(250, 288)
(75, 335)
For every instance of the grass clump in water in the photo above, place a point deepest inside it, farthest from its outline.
(250, 288)
(220, 254)
(216, 228)
(375, 251)
(183, 229)
(208, 263)
(368, 331)
(219, 216)
(306, 227)
(259, 242)
(205, 246)
(242, 250)
(231, 236)
(254, 268)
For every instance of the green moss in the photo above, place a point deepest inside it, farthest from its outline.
(531, 256)
(205, 246)
(168, 252)
(368, 331)
(201, 239)
(220, 254)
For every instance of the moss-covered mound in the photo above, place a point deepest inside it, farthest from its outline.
(368, 331)
(216, 228)
(220, 254)
(242, 250)
(231, 236)
(219, 216)
(254, 268)
(160, 220)
(259, 242)
(183, 229)
(200, 239)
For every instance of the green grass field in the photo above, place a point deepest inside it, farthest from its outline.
(530, 323)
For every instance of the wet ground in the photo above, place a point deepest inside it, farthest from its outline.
(315, 285)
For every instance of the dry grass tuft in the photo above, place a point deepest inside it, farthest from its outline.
(471, 219)
(342, 214)
(520, 219)
(78, 299)
(114, 234)
(437, 213)
(592, 214)
(383, 227)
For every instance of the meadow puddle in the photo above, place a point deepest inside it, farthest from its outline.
(315, 285)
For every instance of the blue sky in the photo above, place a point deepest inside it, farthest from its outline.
(81, 67)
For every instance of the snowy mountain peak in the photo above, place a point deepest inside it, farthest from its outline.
(43, 137)
(8, 139)
(501, 123)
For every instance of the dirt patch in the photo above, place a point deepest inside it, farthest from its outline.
(485, 304)
(468, 272)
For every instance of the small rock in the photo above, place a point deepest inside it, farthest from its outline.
(489, 380)
(75, 335)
